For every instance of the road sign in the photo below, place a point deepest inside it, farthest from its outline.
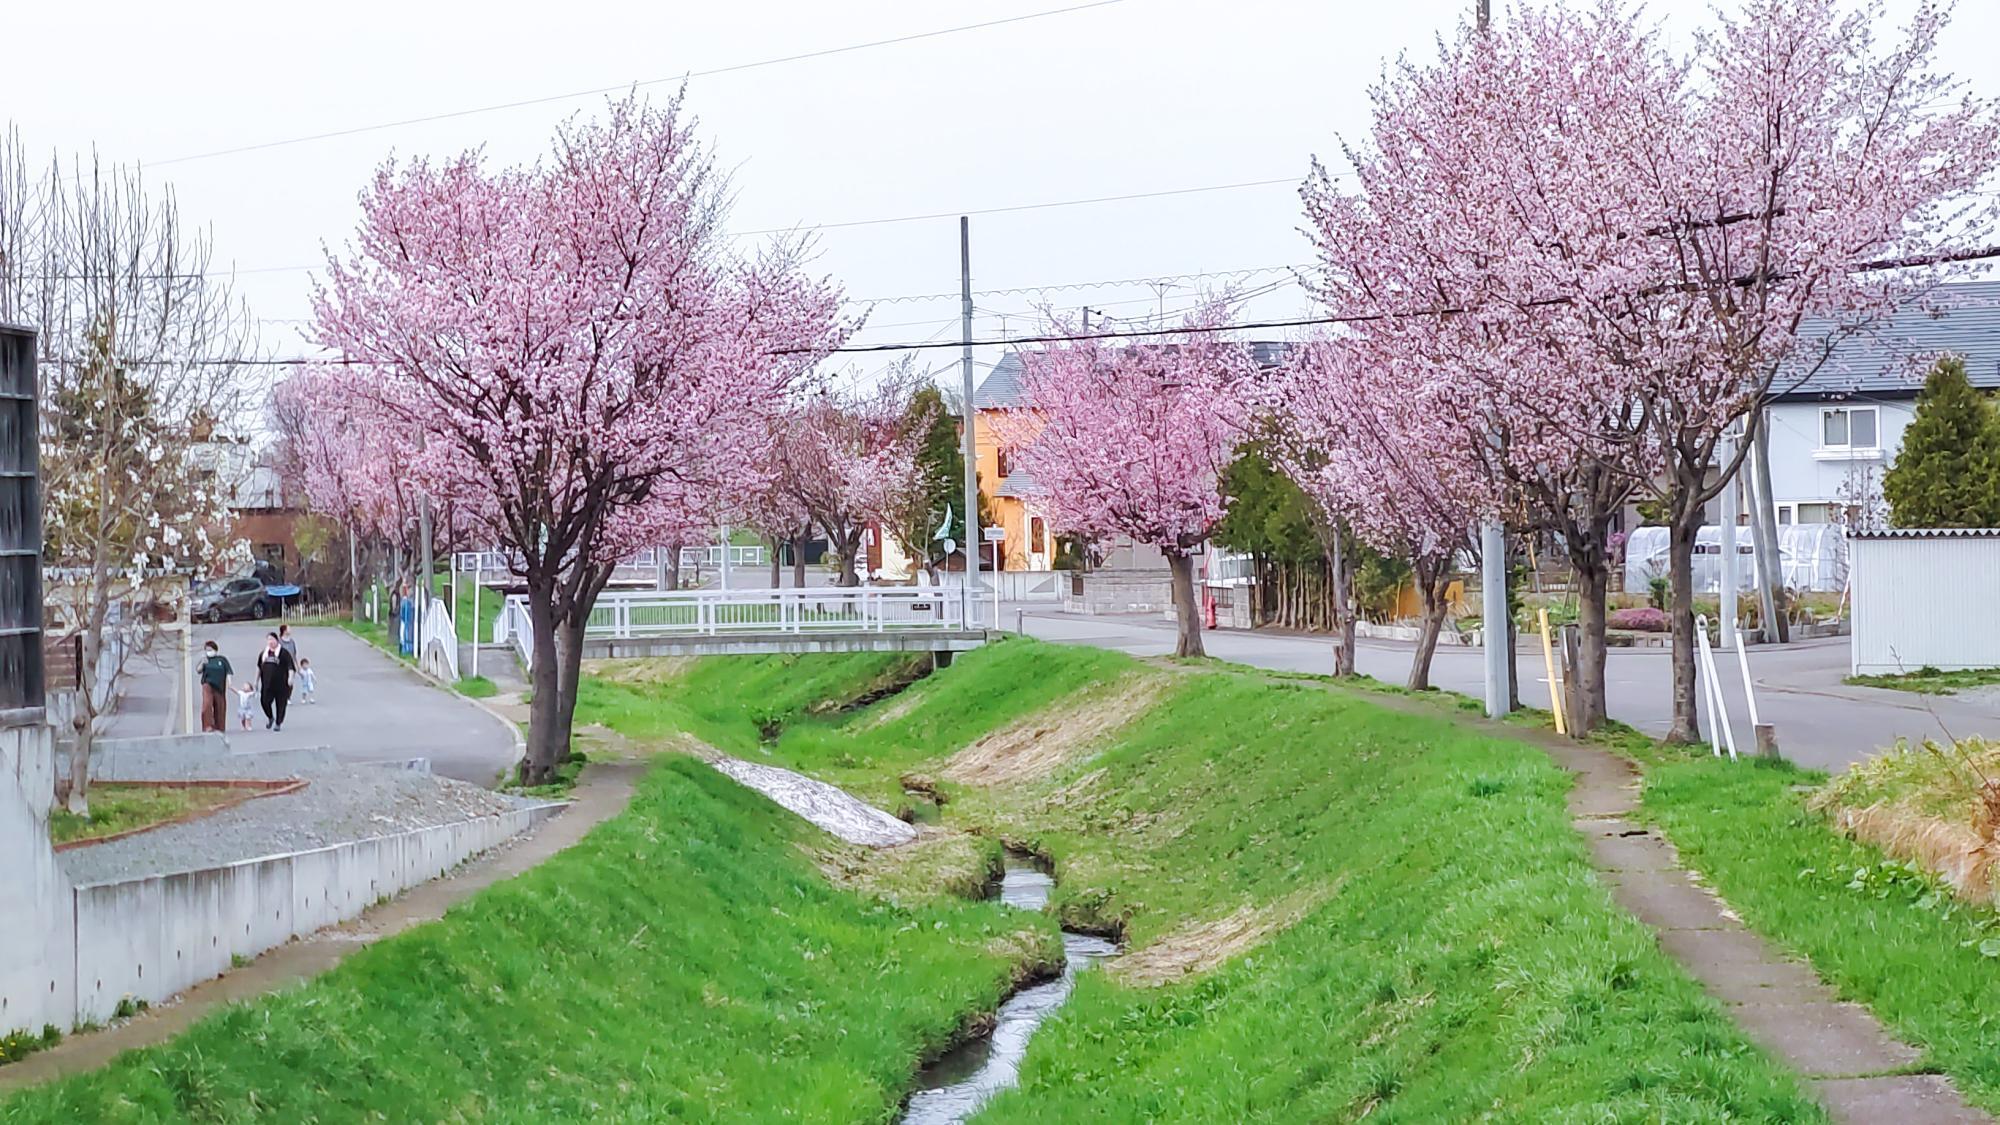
(994, 534)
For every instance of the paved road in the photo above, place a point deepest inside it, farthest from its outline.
(371, 708)
(1820, 721)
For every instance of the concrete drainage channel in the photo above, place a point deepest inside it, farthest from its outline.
(960, 1082)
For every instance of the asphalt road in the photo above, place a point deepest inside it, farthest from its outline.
(370, 708)
(1820, 721)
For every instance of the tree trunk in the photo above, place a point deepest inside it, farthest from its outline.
(1592, 594)
(844, 546)
(1186, 613)
(1430, 583)
(1684, 523)
(548, 739)
(777, 576)
(798, 562)
(1341, 577)
(569, 674)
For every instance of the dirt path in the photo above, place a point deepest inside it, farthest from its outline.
(601, 793)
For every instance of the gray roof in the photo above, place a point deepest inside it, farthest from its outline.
(1001, 389)
(1890, 358)
(1020, 484)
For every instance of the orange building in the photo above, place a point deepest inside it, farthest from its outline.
(1009, 494)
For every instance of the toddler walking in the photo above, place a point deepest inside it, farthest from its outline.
(246, 702)
(306, 681)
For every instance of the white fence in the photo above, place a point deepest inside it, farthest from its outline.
(644, 567)
(719, 613)
(1925, 599)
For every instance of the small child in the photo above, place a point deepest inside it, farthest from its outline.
(246, 702)
(306, 682)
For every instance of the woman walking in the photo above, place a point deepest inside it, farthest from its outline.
(274, 681)
(215, 673)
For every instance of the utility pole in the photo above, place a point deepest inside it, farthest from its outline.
(1726, 600)
(1493, 556)
(973, 532)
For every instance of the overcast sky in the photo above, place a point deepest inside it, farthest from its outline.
(1126, 97)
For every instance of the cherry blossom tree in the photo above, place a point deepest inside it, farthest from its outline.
(1360, 441)
(1132, 440)
(568, 340)
(1611, 251)
(1449, 340)
(849, 459)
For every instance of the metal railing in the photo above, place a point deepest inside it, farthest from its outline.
(624, 615)
(642, 567)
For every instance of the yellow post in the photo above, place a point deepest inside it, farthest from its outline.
(1549, 663)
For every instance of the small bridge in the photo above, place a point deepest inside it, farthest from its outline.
(759, 621)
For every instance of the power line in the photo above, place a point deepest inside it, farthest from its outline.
(544, 100)
(1020, 207)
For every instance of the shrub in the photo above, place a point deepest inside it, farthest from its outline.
(1644, 620)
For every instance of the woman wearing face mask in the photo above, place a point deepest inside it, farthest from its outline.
(274, 681)
(214, 676)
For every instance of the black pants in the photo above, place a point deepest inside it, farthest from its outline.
(273, 698)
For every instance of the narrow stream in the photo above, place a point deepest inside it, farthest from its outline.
(954, 1087)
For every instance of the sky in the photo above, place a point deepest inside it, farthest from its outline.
(1115, 98)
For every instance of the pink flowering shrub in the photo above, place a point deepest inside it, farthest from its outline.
(1644, 619)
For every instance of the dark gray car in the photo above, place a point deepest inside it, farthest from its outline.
(227, 599)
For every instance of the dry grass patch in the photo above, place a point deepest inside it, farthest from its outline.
(1043, 742)
(1935, 805)
(1200, 946)
(640, 671)
(940, 863)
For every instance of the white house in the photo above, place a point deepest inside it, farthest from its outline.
(1837, 429)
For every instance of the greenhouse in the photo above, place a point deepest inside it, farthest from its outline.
(1813, 557)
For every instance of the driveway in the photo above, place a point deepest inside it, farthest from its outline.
(370, 708)
(1820, 721)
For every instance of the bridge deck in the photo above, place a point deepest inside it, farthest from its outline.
(751, 644)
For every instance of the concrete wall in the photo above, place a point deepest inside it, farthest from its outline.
(71, 953)
(153, 937)
(1119, 590)
(37, 955)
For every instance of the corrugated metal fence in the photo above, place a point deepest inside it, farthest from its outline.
(1925, 599)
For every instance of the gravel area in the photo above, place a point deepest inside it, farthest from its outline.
(828, 806)
(334, 807)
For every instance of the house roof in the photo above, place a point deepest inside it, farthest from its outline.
(1890, 358)
(1019, 484)
(1002, 389)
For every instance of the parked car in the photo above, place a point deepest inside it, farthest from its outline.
(226, 599)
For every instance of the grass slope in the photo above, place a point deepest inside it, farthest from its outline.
(1878, 930)
(685, 961)
(121, 807)
(1931, 681)
(1452, 957)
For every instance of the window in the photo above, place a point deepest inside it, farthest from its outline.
(1848, 428)
(1038, 536)
(1816, 513)
(1001, 462)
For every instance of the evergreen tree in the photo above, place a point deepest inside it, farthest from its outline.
(1947, 473)
(940, 479)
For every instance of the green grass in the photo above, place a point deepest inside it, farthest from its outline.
(476, 687)
(1881, 932)
(116, 808)
(1931, 681)
(1453, 956)
(686, 961)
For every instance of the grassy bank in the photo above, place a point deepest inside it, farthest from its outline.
(117, 807)
(1882, 932)
(688, 960)
(1931, 681)
(1335, 909)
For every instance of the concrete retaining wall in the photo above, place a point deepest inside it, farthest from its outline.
(153, 937)
(38, 949)
(1123, 591)
(69, 954)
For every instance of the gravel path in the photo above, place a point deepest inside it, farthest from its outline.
(334, 807)
(828, 806)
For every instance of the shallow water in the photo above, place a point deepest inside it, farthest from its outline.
(954, 1087)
